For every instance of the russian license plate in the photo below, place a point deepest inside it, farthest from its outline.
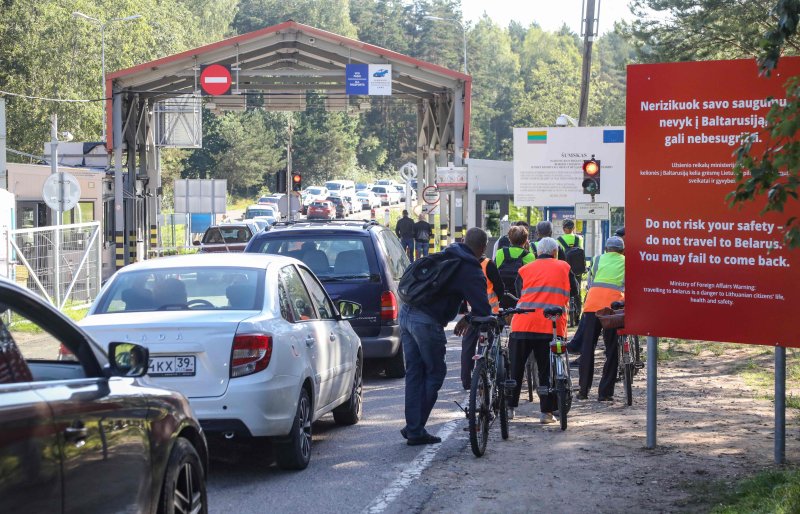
(172, 366)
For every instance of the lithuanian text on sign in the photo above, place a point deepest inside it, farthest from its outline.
(697, 269)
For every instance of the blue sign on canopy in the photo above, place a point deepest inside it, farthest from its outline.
(357, 76)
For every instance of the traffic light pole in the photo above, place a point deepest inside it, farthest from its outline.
(289, 171)
(588, 39)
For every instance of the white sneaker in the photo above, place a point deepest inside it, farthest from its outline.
(511, 413)
(546, 418)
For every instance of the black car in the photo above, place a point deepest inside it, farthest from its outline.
(359, 261)
(80, 433)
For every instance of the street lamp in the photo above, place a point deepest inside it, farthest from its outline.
(78, 14)
(463, 30)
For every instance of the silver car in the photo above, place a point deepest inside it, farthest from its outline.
(252, 340)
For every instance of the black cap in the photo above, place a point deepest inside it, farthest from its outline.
(620, 232)
(568, 224)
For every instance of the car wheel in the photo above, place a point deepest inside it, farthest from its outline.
(184, 488)
(295, 452)
(396, 366)
(349, 413)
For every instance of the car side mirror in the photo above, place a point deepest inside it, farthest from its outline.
(348, 309)
(128, 359)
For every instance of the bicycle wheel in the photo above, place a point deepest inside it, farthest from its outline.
(563, 403)
(628, 383)
(637, 354)
(479, 410)
(530, 375)
(502, 398)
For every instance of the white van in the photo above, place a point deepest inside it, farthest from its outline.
(343, 188)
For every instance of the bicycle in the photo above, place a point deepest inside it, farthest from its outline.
(490, 384)
(560, 379)
(629, 351)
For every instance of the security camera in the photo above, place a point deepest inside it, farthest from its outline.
(311, 40)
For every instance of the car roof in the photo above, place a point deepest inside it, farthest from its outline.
(222, 259)
(345, 226)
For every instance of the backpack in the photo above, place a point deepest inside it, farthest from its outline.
(576, 257)
(425, 278)
(509, 269)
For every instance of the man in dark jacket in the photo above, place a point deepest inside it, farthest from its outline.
(422, 234)
(405, 232)
(423, 337)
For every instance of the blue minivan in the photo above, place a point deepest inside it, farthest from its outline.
(359, 261)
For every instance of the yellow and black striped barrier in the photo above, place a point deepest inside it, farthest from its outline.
(119, 249)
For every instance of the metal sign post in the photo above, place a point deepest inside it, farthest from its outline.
(56, 212)
(652, 367)
(780, 405)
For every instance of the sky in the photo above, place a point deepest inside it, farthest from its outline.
(549, 14)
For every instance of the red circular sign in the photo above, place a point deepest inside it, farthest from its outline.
(215, 79)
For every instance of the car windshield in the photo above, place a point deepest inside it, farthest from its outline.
(331, 257)
(226, 234)
(314, 190)
(205, 288)
(252, 212)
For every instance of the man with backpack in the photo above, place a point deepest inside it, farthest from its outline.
(432, 290)
(510, 259)
(572, 246)
(422, 236)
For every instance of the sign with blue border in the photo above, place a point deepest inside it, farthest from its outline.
(357, 79)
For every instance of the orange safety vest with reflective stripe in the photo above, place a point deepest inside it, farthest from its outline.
(494, 302)
(606, 282)
(545, 283)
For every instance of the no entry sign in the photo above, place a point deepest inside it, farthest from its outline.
(695, 268)
(215, 79)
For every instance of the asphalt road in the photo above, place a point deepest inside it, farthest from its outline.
(362, 468)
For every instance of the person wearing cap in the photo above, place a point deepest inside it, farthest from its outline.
(606, 285)
(620, 232)
(569, 238)
(405, 232)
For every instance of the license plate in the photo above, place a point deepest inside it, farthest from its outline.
(172, 366)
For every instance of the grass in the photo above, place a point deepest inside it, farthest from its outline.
(774, 491)
(762, 378)
(21, 325)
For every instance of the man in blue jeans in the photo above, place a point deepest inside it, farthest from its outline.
(422, 235)
(405, 232)
(423, 338)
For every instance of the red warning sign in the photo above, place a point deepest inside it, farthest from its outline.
(215, 79)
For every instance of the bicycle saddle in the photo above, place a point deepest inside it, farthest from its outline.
(617, 305)
(553, 311)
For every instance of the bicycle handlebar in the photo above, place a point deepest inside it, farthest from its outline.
(495, 317)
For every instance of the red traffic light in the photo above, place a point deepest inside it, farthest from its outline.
(591, 176)
(591, 167)
(297, 182)
(296, 178)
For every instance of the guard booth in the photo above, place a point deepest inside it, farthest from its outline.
(158, 104)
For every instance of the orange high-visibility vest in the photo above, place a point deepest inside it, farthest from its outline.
(494, 302)
(545, 283)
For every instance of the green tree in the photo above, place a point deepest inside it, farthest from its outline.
(330, 15)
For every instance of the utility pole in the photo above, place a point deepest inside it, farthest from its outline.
(290, 130)
(589, 23)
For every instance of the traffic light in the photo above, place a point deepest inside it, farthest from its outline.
(297, 182)
(591, 176)
(280, 182)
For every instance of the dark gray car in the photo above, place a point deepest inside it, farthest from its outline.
(81, 434)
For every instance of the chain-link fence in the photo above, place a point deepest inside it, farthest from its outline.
(61, 264)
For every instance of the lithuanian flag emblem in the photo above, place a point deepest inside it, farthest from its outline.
(537, 137)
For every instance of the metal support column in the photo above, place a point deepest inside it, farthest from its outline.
(588, 39)
(119, 206)
(56, 213)
(652, 367)
(3, 171)
(780, 405)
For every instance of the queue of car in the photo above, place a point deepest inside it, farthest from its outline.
(258, 343)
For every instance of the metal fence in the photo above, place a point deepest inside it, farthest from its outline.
(62, 264)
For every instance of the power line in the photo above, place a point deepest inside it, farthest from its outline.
(64, 100)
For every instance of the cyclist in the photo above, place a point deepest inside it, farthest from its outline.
(510, 259)
(423, 337)
(494, 291)
(542, 283)
(572, 244)
(606, 285)
(504, 242)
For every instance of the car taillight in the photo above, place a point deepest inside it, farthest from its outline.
(251, 353)
(388, 306)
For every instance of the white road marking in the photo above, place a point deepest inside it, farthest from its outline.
(411, 473)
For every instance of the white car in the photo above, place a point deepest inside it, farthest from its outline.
(368, 200)
(387, 194)
(252, 340)
(313, 194)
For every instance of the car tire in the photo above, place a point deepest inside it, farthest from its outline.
(396, 366)
(349, 413)
(295, 452)
(184, 481)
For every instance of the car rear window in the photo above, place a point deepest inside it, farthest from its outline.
(227, 235)
(331, 257)
(207, 288)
